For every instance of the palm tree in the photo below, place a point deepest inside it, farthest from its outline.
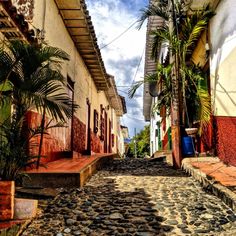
(181, 29)
(34, 79)
(33, 71)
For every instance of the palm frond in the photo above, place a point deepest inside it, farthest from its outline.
(193, 26)
(160, 10)
(148, 79)
(159, 35)
(205, 108)
(134, 88)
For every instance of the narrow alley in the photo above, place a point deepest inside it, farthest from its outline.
(135, 197)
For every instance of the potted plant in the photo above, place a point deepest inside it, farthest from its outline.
(30, 78)
(13, 159)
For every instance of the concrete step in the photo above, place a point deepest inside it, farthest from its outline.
(66, 172)
(36, 193)
(163, 155)
(68, 154)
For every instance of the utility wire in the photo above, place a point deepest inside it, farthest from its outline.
(136, 72)
(140, 60)
(122, 91)
(117, 37)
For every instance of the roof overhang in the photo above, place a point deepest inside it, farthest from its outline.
(79, 25)
(116, 101)
(10, 26)
(150, 65)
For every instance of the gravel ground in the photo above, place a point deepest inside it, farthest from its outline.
(135, 197)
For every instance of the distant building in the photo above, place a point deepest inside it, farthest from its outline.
(125, 134)
(160, 130)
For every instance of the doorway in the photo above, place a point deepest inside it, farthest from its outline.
(88, 137)
(105, 134)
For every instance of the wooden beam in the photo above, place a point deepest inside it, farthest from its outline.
(87, 56)
(97, 75)
(69, 9)
(93, 66)
(95, 70)
(82, 37)
(86, 53)
(82, 34)
(15, 38)
(78, 31)
(4, 18)
(9, 29)
(91, 62)
(78, 41)
(72, 19)
(99, 79)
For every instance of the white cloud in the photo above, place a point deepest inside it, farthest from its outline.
(121, 58)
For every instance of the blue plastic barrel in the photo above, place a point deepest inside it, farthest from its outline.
(187, 146)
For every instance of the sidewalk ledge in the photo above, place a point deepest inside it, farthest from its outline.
(224, 193)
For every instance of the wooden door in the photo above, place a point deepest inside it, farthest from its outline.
(88, 137)
(105, 134)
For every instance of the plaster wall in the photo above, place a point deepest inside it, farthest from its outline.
(46, 19)
(115, 126)
(222, 59)
(57, 35)
(223, 79)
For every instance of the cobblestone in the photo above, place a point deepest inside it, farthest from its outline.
(135, 197)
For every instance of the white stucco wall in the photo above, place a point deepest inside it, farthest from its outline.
(223, 59)
(153, 126)
(57, 35)
(120, 139)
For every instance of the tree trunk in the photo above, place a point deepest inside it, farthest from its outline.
(175, 103)
(41, 137)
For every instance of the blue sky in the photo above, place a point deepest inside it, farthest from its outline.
(110, 18)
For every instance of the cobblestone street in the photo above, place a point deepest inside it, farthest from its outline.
(135, 197)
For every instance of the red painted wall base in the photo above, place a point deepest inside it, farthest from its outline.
(53, 142)
(96, 144)
(225, 134)
(56, 141)
(79, 135)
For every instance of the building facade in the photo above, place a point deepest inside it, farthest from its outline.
(222, 43)
(215, 53)
(68, 26)
(160, 130)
